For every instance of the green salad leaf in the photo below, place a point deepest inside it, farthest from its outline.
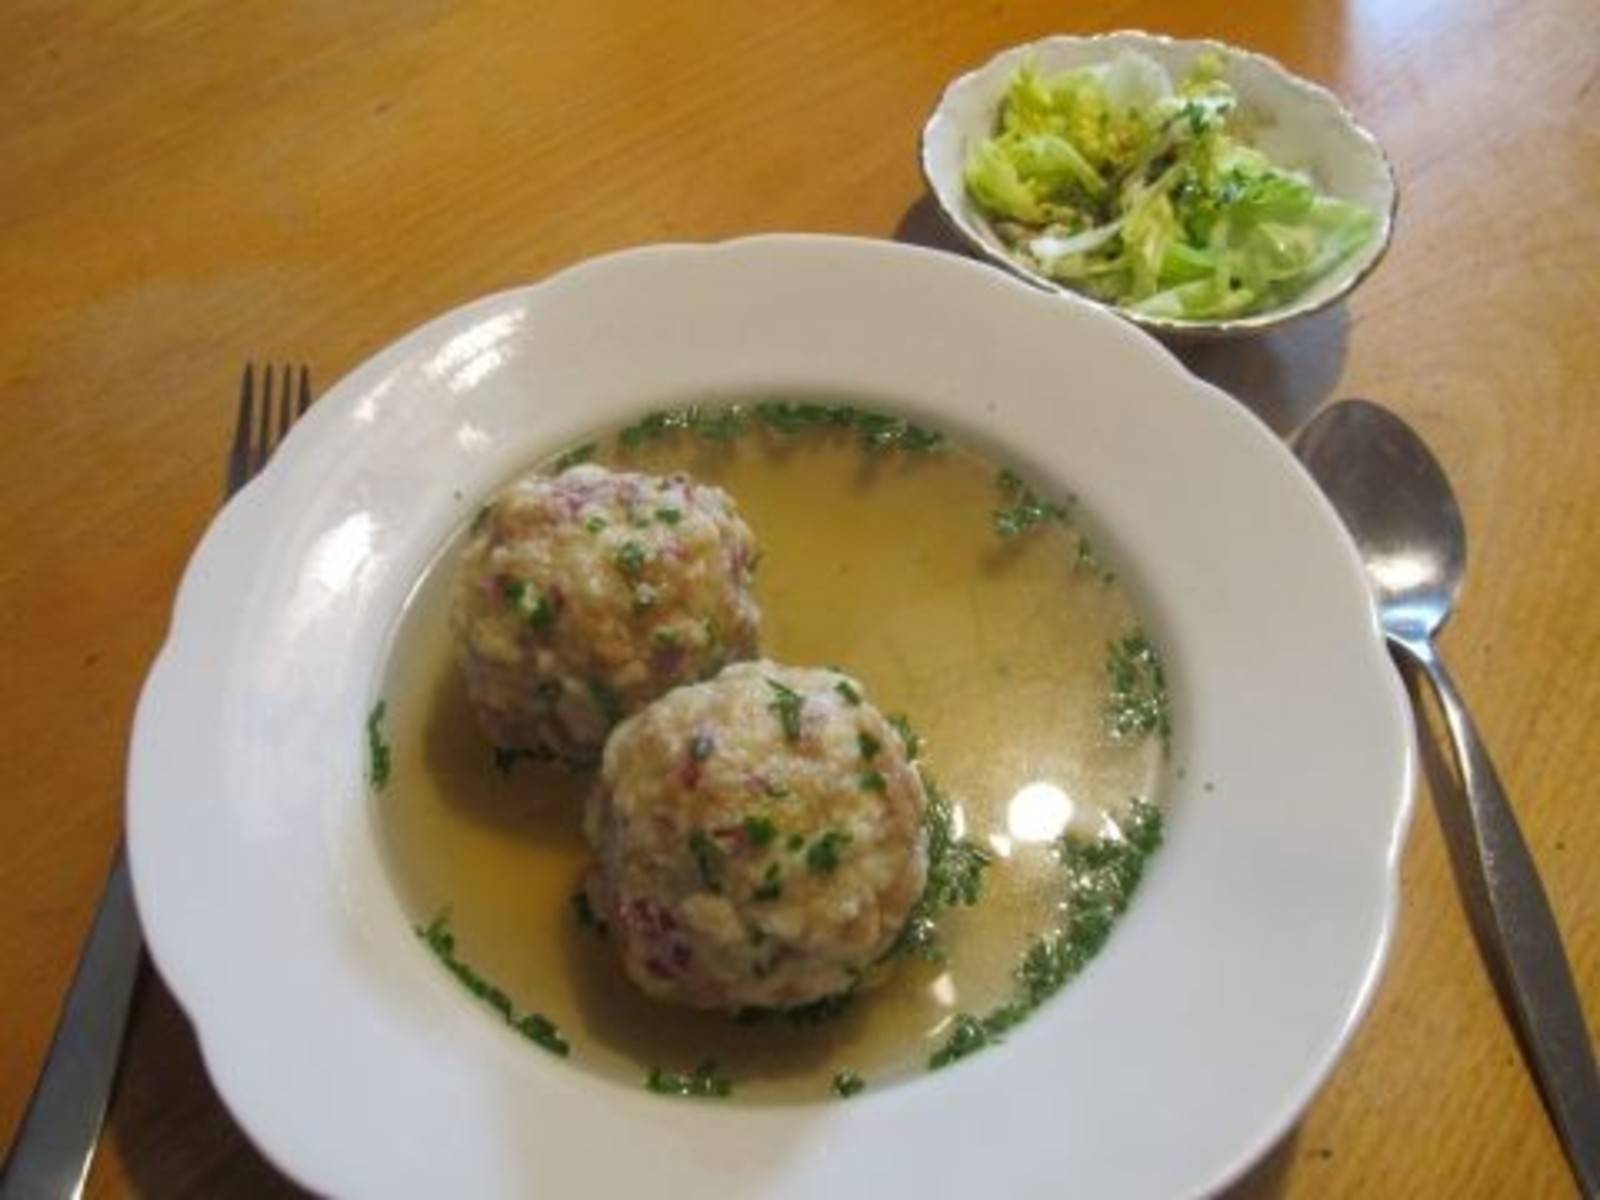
(1115, 181)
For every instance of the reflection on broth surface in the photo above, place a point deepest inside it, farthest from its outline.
(888, 565)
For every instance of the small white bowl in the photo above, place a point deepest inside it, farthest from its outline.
(1298, 124)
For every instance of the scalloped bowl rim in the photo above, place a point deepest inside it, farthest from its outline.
(361, 1069)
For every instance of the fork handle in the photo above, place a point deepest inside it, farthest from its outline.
(55, 1143)
(1526, 943)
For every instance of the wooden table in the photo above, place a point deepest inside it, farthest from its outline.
(188, 186)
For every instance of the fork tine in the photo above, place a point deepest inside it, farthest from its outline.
(239, 456)
(263, 446)
(285, 407)
(305, 389)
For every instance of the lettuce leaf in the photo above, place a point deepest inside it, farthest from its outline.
(1114, 180)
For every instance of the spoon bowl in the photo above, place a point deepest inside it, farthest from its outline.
(1397, 503)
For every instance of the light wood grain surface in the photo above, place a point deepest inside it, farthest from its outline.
(190, 185)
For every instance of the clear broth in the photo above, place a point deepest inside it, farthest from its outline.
(888, 566)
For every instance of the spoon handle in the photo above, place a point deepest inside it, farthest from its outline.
(1525, 937)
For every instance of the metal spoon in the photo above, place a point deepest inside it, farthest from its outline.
(1397, 504)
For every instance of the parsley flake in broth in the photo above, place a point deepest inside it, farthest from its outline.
(1101, 875)
(705, 1082)
(955, 876)
(377, 748)
(1025, 509)
(1138, 705)
(537, 1028)
(847, 1083)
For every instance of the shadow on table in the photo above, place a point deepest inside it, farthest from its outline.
(923, 226)
(168, 1128)
(1283, 376)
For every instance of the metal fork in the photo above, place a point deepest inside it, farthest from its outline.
(56, 1141)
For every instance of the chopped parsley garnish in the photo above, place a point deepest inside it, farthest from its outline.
(630, 559)
(668, 638)
(704, 1082)
(908, 736)
(789, 417)
(822, 856)
(873, 781)
(595, 524)
(760, 830)
(796, 840)
(713, 424)
(774, 791)
(955, 865)
(1025, 508)
(707, 860)
(535, 1027)
(846, 689)
(719, 425)
(869, 745)
(880, 431)
(771, 887)
(1089, 562)
(669, 516)
(574, 456)
(847, 1083)
(786, 705)
(1138, 705)
(877, 431)
(583, 912)
(955, 876)
(967, 1034)
(1102, 875)
(531, 603)
(377, 748)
